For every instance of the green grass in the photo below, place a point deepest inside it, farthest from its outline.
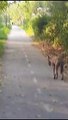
(29, 31)
(4, 32)
(2, 46)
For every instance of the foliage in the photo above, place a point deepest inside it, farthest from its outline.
(49, 31)
(38, 24)
(47, 19)
(3, 5)
(2, 44)
(22, 12)
(65, 35)
(3, 31)
(57, 29)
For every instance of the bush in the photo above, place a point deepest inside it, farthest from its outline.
(38, 25)
(2, 44)
(64, 35)
(4, 32)
(50, 31)
(29, 31)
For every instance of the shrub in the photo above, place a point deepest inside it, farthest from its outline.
(3, 32)
(38, 25)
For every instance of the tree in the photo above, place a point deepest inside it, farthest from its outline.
(59, 17)
(3, 5)
(38, 25)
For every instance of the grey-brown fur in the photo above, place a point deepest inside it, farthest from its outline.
(57, 62)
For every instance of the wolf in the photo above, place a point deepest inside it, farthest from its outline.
(57, 62)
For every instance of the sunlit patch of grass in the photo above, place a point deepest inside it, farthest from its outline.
(2, 46)
(29, 31)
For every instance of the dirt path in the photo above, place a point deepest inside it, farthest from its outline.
(28, 89)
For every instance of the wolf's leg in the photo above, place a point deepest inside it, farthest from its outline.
(62, 77)
(54, 70)
(56, 74)
(49, 62)
(57, 67)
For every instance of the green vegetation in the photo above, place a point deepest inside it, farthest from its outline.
(38, 25)
(4, 30)
(54, 29)
(2, 44)
(46, 20)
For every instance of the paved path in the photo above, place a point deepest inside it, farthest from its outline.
(28, 89)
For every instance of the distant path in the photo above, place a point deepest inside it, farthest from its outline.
(28, 89)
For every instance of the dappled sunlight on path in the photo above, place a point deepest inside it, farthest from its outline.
(17, 34)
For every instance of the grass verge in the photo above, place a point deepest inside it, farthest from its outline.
(2, 46)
